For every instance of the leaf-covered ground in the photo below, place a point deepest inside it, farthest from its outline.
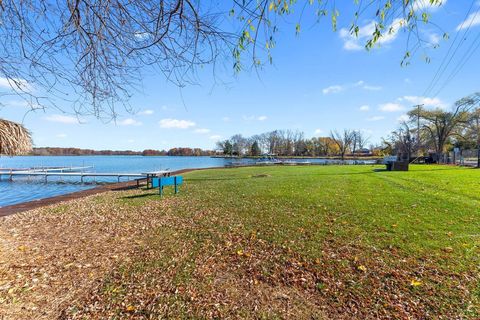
(315, 242)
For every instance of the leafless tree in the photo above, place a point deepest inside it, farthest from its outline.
(405, 141)
(362, 139)
(440, 125)
(91, 53)
(343, 140)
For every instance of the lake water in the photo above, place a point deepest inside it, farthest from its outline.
(23, 189)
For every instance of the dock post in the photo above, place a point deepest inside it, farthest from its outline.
(46, 178)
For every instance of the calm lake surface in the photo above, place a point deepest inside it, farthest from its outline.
(23, 189)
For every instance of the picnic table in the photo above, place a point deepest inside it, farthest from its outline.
(161, 182)
(155, 174)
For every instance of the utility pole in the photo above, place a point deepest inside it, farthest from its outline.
(478, 139)
(418, 128)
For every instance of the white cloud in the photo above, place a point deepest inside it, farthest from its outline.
(129, 122)
(426, 101)
(366, 86)
(333, 89)
(376, 118)
(61, 135)
(257, 118)
(359, 84)
(146, 112)
(350, 42)
(175, 123)
(364, 108)
(372, 88)
(365, 32)
(391, 107)
(16, 84)
(141, 35)
(215, 137)
(202, 130)
(225, 119)
(403, 118)
(130, 140)
(4, 83)
(318, 131)
(62, 119)
(167, 108)
(426, 5)
(472, 20)
(434, 38)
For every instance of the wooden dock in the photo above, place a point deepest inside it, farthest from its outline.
(82, 175)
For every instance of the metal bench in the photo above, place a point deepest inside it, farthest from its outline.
(161, 182)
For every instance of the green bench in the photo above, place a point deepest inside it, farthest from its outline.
(161, 182)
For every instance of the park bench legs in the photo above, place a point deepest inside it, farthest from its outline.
(175, 181)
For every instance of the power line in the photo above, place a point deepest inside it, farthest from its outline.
(440, 71)
(465, 58)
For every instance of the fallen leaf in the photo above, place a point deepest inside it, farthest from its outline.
(415, 283)
(362, 268)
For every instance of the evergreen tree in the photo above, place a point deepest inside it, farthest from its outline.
(255, 150)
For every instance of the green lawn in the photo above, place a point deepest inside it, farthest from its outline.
(307, 242)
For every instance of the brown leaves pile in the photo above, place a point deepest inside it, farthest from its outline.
(52, 256)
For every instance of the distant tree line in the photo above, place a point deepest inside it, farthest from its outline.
(293, 143)
(435, 132)
(52, 151)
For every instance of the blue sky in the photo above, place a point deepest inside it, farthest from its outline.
(320, 80)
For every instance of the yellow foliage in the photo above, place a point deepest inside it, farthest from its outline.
(415, 283)
(362, 268)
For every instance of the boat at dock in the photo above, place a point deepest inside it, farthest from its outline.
(268, 159)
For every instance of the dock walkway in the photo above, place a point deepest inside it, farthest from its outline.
(59, 173)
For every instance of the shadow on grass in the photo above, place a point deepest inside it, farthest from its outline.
(449, 168)
(317, 173)
(313, 174)
(141, 196)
